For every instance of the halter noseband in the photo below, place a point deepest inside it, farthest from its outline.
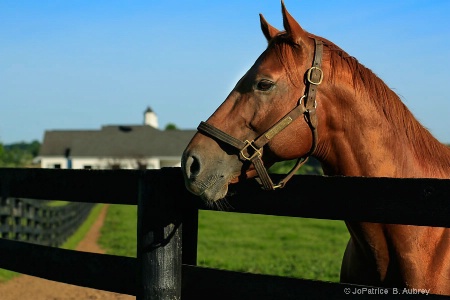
(252, 150)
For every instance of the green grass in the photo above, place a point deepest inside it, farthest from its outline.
(118, 234)
(57, 203)
(294, 247)
(71, 242)
(6, 275)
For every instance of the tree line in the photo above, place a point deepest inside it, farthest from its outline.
(18, 155)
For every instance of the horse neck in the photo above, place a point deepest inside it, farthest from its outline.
(363, 132)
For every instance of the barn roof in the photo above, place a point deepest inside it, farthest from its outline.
(116, 141)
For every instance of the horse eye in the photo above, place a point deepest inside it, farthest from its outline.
(264, 85)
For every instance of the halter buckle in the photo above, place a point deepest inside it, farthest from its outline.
(256, 153)
(309, 75)
(278, 186)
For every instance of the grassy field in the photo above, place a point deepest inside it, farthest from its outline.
(71, 243)
(118, 234)
(294, 247)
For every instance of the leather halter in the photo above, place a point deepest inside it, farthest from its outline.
(252, 150)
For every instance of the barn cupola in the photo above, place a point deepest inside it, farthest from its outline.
(150, 118)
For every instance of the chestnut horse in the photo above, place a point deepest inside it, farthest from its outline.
(324, 103)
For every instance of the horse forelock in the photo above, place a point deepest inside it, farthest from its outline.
(285, 50)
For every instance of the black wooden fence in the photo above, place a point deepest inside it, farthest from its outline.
(165, 267)
(32, 221)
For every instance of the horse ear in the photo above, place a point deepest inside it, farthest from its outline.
(268, 30)
(292, 27)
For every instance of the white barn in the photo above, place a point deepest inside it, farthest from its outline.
(115, 147)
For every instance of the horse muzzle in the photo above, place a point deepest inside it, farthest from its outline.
(208, 181)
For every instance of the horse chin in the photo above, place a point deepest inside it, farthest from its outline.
(210, 190)
(214, 187)
(218, 188)
(214, 193)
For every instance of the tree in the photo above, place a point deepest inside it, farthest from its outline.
(171, 126)
(18, 155)
(2, 155)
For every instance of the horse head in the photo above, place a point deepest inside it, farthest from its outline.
(259, 110)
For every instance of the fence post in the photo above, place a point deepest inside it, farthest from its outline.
(158, 239)
(190, 234)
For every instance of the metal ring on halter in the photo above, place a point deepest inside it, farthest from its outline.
(252, 156)
(300, 101)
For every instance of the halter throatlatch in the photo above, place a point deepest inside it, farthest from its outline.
(252, 150)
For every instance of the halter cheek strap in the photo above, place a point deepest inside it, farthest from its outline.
(252, 150)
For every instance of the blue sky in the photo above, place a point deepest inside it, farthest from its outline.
(84, 64)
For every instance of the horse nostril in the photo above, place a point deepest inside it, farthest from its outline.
(192, 166)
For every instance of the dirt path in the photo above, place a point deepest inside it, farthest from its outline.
(27, 287)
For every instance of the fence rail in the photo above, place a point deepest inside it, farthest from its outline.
(167, 223)
(32, 221)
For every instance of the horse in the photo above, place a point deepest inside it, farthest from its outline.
(304, 96)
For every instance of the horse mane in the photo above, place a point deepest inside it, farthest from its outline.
(423, 143)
